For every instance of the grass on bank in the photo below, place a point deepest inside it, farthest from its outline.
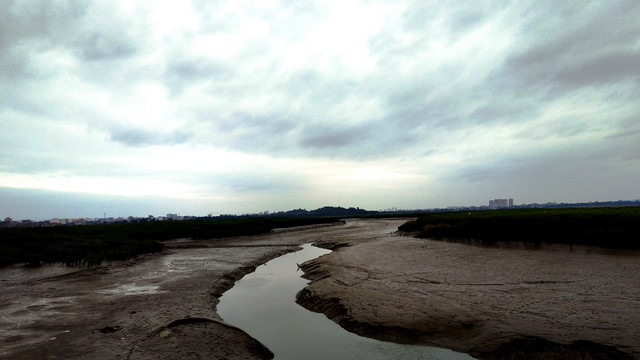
(610, 227)
(89, 245)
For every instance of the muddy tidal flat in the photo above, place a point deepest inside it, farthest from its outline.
(489, 302)
(493, 303)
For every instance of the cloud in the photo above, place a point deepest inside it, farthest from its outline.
(102, 47)
(597, 46)
(44, 204)
(142, 137)
(264, 181)
(202, 94)
(603, 69)
(335, 138)
(184, 73)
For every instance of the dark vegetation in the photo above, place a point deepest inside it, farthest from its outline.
(89, 245)
(610, 227)
(323, 211)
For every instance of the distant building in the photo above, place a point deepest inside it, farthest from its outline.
(501, 203)
(8, 222)
(173, 217)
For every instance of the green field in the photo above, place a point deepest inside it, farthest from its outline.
(610, 227)
(89, 245)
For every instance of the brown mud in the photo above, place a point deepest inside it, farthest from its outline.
(149, 308)
(493, 303)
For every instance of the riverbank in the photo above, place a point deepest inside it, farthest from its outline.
(136, 309)
(133, 310)
(157, 306)
(493, 303)
(91, 245)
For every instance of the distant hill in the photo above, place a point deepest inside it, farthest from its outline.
(332, 211)
(326, 211)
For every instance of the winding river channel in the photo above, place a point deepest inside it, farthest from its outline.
(263, 304)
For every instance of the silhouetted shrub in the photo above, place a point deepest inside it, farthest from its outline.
(89, 245)
(611, 227)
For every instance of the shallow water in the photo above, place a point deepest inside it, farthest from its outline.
(263, 304)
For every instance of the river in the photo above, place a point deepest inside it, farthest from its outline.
(263, 304)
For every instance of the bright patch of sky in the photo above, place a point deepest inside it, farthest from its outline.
(242, 106)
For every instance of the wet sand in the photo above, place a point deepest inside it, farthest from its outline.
(463, 297)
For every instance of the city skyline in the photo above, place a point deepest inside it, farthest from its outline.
(492, 205)
(231, 107)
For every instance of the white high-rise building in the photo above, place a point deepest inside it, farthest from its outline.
(498, 203)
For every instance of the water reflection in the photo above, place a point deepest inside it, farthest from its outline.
(263, 304)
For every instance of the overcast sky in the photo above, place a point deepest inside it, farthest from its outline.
(139, 107)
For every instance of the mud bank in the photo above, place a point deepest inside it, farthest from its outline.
(115, 310)
(156, 307)
(492, 303)
(145, 309)
(489, 302)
